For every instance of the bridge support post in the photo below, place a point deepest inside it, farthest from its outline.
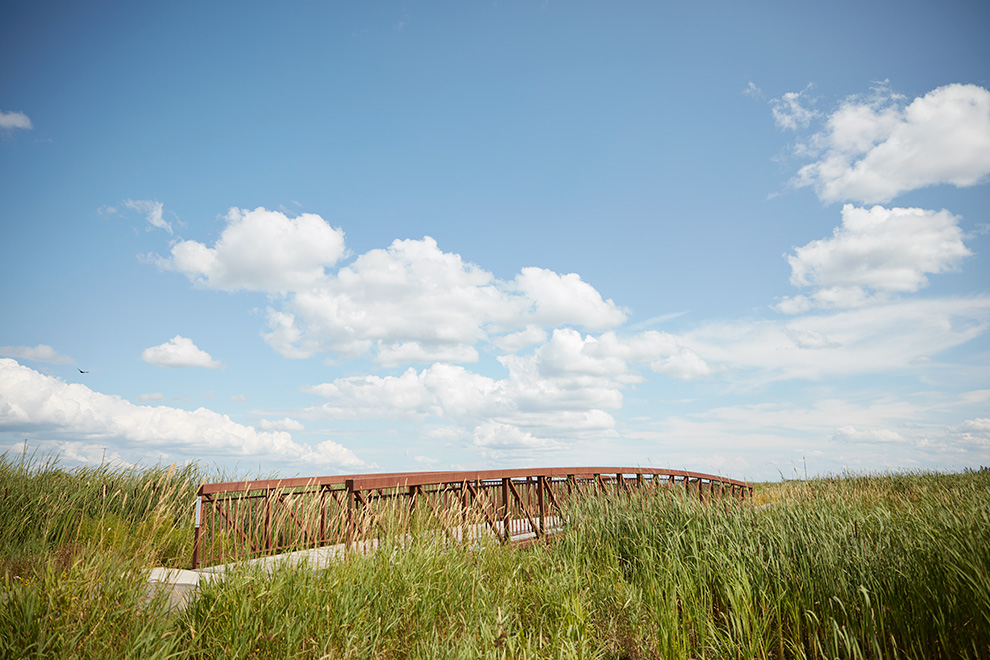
(541, 485)
(351, 530)
(506, 517)
(198, 521)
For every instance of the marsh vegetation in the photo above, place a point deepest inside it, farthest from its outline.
(848, 567)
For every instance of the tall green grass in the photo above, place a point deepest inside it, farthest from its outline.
(50, 513)
(880, 567)
(891, 566)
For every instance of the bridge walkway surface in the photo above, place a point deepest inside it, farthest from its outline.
(181, 586)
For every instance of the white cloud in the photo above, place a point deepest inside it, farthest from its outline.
(437, 391)
(791, 110)
(407, 303)
(855, 431)
(498, 441)
(151, 396)
(284, 424)
(556, 397)
(15, 120)
(876, 251)
(516, 341)
(974, 432)
(555, 300)
(30, 401)
(877, 148)
(409, 300)
(882, 338)
(261, 250)
(152, 210)
(179, 351)
(412, 302)
(868, 435)
(752, 90)
(39, 353)
(523, 409)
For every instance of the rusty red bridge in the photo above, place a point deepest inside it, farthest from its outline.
(238, 520)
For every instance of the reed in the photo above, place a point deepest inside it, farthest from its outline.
(886, 566)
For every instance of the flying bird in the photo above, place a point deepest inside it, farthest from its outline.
(81, 371)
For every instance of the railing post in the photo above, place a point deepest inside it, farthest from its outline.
(323, 514)
(268, 519)
(507, 534)
(465, 494)
(541, 483)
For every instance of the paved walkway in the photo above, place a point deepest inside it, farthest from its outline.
(181, 586)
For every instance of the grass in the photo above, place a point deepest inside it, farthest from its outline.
(887, 566)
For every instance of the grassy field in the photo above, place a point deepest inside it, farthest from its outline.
(892, 566)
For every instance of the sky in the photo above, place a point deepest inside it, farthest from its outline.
(748, 239)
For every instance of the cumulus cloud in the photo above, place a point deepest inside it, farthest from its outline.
(15, 120)
(876, 251)
(514, 342)
(408, 303)
(876, 148)
(412, 302)
(284, 424)
(153, 212)
(261, 250)
(30, 401)
(499, 441)
(179, 352)
(552, 299)
(410, 299)
(558, 395)
(39, 353)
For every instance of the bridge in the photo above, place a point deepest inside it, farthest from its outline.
(244, 519)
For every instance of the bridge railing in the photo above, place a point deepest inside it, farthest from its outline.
(238, 520)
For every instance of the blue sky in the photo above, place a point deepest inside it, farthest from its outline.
(743, 238)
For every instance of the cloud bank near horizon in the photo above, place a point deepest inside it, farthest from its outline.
(69, 411)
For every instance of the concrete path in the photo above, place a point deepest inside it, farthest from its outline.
(181, 586)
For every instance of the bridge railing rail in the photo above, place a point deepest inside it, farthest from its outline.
(239, 520)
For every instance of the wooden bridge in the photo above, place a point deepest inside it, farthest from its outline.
(238, 520)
